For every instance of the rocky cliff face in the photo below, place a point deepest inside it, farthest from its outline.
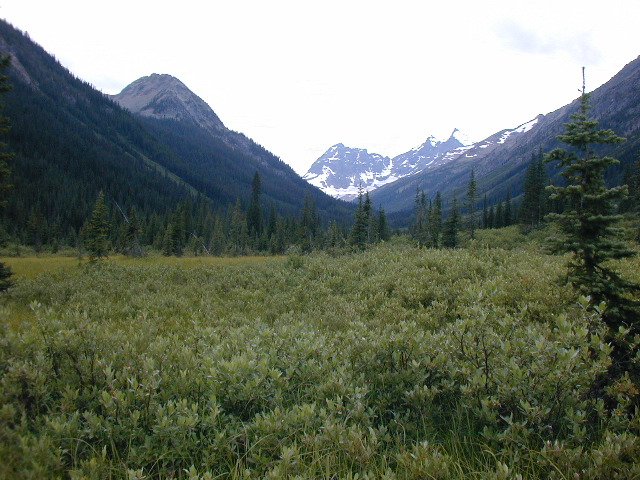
(166, 97)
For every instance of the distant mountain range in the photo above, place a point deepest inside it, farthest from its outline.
(499, 161)
(341, 171)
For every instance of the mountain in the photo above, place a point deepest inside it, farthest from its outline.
(217, 161)
(500, 161)
(341, 171)
(72, 141)
(166, 97)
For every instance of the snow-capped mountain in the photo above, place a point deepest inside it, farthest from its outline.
(341, 171)
(430, 154)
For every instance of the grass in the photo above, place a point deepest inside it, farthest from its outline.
(29, 267)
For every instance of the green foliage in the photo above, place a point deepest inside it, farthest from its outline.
(393, 363)
(470, 203)
(451, 227)
(96, 230)
(5, 157)
(71, 141)
(534, 202)
(587, 223)
(359, 234)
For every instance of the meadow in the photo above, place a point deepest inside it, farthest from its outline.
(393, 363)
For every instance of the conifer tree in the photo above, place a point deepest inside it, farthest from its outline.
(452, 225)
(96, 230)
(238, 229)
(254, 220)
(419, 228)
(533, 205)
(498, 221)
(470, 203)
(308, 227)
(435, 222)
(588, 220)
(507, 209)
(334, 237)
(491, 217)
(272, 221)
(133, 230)
(383, 227)
(358, 236)
(5, 157)
(485, 213)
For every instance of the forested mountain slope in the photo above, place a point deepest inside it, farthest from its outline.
(616, 105)
(72, 141)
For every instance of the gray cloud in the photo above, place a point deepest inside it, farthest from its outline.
(517, 37)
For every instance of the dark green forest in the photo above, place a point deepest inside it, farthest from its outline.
(71, 142)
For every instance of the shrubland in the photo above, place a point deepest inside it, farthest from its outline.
(392, 363)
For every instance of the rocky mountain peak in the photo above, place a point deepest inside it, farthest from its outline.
(163, 96)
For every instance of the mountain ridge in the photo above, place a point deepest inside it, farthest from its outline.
(615, 105)
(342, 171)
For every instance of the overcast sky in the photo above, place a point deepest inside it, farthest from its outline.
(300, 76)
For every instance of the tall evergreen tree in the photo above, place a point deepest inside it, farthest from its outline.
(452, 225)
(588, 220)
(499, 218)
(435, 222)
(358, 236)
(308, 226)
(383, 227)
(470, 203)
(507, 209)
(419, 228)
(533, 205)
(254, 220)
(491, 217)
(96, 230)
(238, 229)
(335, 238)
(485, 212)
(218, 241)
(5, 158)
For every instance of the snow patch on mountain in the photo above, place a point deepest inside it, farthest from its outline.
(341, 171)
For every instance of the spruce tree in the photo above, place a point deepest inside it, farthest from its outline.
(358, 236)
(485, 212)
(499, 218)
(254, 220)
(508, 214)
(435, 222)
(308, 227)
(588, 220)
(5, 158)
(452, 225)
(470, 203)
(533, 205)
(419, 228)
(96, 230)
(383, 227)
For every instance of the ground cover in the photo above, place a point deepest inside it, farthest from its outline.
(394, 363)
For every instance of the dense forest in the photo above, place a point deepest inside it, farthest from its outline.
(70, 142)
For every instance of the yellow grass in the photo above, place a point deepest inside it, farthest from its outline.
(28, 267)
(31, 266)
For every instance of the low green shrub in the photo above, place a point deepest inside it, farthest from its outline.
(393, 363)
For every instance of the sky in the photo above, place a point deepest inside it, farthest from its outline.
(300, 76)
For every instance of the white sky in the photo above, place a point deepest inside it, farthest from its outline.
(299, 76)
